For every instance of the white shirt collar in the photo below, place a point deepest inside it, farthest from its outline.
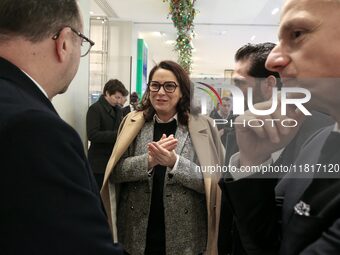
(336, 127)
(158, 120)
(36, 83)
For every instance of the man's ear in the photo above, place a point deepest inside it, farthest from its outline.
(62, 44)
(268, 85)
(271, 81)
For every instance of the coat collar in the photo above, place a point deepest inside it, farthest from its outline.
(130, 127)
(109, 108)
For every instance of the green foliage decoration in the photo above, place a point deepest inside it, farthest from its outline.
(182, 14)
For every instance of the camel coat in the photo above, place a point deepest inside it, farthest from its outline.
(209, 151)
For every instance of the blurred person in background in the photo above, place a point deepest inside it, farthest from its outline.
(223, 111)
(102, 122)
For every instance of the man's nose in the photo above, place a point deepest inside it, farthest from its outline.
(277, 60)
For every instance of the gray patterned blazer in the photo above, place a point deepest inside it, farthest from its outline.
(185, 209)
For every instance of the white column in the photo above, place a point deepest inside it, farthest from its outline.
(72, 105)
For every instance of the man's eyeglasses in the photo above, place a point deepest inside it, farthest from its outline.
(86, 43)
(168, 86)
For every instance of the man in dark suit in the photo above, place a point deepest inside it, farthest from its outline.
(50, 201)
(308, 222)
(102, 122)
(250, 72)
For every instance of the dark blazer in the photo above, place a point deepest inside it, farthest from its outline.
(229, 241)
(50, 201)
(102, 123)
(303, 231)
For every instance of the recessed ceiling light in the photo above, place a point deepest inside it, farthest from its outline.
(98, 18)
(275, 10)
(158, 34)
(252, 38)
(91, 12)
(170, 42)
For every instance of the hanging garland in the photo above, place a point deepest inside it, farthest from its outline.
(182, 14)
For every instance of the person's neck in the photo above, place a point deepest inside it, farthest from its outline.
(165, 117)
(28, 57)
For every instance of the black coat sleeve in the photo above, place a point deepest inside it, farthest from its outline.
(51, 202)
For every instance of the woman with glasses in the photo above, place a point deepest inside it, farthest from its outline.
(165, 204)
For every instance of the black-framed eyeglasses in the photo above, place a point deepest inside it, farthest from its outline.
(86, 43)
(168, 86)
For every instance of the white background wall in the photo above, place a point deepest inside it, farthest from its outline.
(120, 52)
(72, 105)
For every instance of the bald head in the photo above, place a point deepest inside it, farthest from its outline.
(308, 52)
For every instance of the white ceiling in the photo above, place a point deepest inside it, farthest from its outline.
(221, 27)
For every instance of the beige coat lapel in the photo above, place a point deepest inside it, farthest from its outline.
(199, 137)
(210, 152)
(128, 131)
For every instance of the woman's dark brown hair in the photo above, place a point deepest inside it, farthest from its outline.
(183, 105)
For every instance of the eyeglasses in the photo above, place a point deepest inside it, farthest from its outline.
(168, 86)
(86, 43)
